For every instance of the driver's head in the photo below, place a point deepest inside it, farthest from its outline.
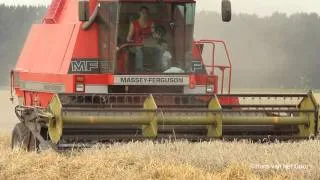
(144, 12)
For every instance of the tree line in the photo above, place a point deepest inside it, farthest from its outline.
(277, 51)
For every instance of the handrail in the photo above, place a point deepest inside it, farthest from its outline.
(128, 45)
(221, 67)
(86, 25)
(224, 45)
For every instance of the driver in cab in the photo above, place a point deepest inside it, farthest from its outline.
(141, 30)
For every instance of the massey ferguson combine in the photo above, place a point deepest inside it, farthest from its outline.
(99, 71)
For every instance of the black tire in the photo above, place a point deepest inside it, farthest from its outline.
(23, 138)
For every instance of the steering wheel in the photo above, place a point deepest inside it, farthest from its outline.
(160, 29)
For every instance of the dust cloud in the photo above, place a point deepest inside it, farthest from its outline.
(278, 51)
(8, 118)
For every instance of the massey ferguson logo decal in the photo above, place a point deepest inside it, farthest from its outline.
(151, 80)
(84, 66)
(89, 66)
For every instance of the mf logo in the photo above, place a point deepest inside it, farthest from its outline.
(84, 66)
(90, 66)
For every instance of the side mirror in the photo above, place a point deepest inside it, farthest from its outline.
(84, 12)
(226, 10)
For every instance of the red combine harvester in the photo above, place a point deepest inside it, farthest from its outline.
(111, 70)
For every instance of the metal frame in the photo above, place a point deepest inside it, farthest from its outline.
(220, 67)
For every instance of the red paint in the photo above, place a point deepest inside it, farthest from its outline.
(141, 33)
(50, 47)
(41, 99)
(54, 12)
(45, 48)
(122, 61)
(92, 5)
(87, 43)
(231, 100)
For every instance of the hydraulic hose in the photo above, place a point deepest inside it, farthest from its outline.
(87, 25)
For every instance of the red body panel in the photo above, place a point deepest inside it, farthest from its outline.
(99, 79)
(43, 65)
(87, 44)
(70, 50)
(48, 78)
(45, 49)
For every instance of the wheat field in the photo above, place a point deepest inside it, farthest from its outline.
(169, 160)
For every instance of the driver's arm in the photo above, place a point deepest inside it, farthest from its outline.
(154, 34)
(130, 34)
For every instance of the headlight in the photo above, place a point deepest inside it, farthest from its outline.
(79, 87)
(210, 88)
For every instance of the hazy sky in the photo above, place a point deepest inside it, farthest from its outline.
(260, 7)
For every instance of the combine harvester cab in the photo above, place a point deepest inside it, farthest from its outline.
(102, 71)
